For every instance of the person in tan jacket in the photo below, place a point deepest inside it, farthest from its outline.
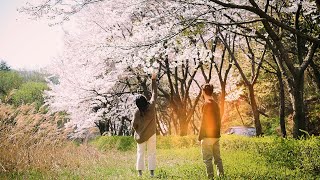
(144, 125)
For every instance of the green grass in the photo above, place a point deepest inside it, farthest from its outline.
(180, 158)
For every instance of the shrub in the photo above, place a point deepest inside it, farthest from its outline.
(122, 143)
(168, 142)
(234, 142)
(295, 154)
(125, 143)
(291, 153)
(30, 92)
(9, 80)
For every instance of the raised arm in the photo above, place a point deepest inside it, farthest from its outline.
(154, 89)
(135, 122)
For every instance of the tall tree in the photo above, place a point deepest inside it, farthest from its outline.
(4, 66)
(255, 63)
(280, 30)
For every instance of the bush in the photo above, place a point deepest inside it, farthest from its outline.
(295, 154)
(168, 142)
(122, 143)
(289, 153)
(125, 143)
(234, 142)
(30, 92)
(9, 80)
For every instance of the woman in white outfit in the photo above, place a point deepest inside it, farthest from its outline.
(144, 125)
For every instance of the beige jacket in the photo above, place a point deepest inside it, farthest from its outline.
(145, 126)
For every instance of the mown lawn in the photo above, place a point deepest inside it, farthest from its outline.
(180, 158)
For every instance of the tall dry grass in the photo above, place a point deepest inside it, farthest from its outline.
(30, 140)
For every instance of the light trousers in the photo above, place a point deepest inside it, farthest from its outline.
(211, 150)
(150, 144)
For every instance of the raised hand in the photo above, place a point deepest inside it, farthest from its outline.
(154, 75)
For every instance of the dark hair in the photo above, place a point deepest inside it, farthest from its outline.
(142, 103)
(207, 89)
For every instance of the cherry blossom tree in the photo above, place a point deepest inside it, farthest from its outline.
(133, 35)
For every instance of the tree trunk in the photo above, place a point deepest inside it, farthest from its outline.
(102, 126)
(282, 106)
(237, 108)
(255, 111)
(183, 128)
(174, 121)
(159, 129)
(120, 131)
(296, 95)
(183, 124)
(316, 73)
(183, 121)
(222, 99)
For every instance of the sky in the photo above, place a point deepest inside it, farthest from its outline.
(24, 43)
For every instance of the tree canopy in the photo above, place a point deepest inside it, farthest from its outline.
(112, 45)
(4, 66)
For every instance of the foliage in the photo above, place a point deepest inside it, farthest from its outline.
(295, 154)
(287, 153)
(9, 80)
(169, 142)
(143, 34)
(122, 143)
(177, 161)
(94, 81)
(29, 92)
(127, 143)
(271, 126)
(33, 76)
(22, 87)
(4, 66)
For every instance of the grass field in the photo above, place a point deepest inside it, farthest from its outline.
(177, 158)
